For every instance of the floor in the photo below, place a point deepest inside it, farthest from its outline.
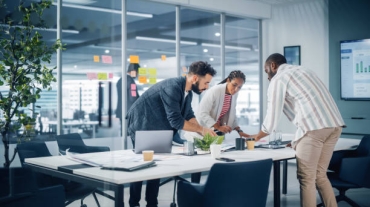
(361, 196)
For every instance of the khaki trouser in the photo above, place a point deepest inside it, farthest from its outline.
(313, 152)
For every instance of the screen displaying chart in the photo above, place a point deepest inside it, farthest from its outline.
(355, 69)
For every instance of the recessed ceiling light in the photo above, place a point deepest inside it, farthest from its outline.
(217, 34)
(211, 59)
(75, 66)
(128, 59)
(144, 66)
(107, 51)
(205, 50)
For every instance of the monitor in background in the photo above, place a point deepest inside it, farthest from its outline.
(160, 141)
(355, 69)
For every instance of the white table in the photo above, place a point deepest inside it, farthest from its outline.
(115, 180)
(71, 124)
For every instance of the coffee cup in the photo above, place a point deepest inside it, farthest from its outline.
(239, 144)
(215, 150)
(250, 143)
(188, 148)
(148, 155)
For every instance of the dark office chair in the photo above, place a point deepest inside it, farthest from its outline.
(350, 169)
(19, 188)
(73, 191)
(74, 143)
(229, 184)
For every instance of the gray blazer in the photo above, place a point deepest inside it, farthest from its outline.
(162, 107)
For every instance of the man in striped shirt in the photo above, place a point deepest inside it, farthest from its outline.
(304, 99)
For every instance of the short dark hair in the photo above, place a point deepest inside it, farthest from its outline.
(234, 74)
(276, 58)
(201, 68)
(133, 67)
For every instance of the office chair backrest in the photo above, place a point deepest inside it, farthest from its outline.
(238, 184)
(363, 148)
(73, 142)
(31, 150)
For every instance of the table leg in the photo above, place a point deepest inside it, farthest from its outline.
(285, 176)
(276, 183)
(93, 131)
(118, 195)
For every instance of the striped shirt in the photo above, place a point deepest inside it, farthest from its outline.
(303, 98)
(225, 107)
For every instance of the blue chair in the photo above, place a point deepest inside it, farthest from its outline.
(350, 169)
(19, 188)
(229, 184)
(74, 143)
(73, 191)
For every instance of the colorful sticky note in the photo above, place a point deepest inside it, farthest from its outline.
(133, 93)
(133, 87)
(152, 80)
(184, 74)
(106, 59)
(142, 79)
(110, 75)
(152, 71)
(134, 59)
(184, 69)
(142, 71)
(163, 57)
(102, 76)
(96, 58)
(91, 76)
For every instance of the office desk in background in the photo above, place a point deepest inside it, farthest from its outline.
(76, 124)
(115, 180)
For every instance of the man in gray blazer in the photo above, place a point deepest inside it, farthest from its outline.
(167, 106)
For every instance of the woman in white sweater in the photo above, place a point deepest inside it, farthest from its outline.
(217, 107)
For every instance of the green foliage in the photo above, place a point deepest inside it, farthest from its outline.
(207, 140)
(22, 56)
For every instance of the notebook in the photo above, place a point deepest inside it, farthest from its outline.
(160, 141)
(129, 166)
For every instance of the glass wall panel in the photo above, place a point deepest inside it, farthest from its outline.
(242, 53)
(201, 32)
(91, 66)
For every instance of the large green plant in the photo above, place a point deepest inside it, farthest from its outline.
(23, 55)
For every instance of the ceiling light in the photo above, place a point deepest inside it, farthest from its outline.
(164, 40)
(211, 59)
(236, 27)
(106, 51)
(227, 46)
(45, 29)
(146, 15)
(205, 50)
(128, 59)
(144, 66)
(75, 66)
(217, 34)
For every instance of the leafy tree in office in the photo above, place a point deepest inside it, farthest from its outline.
(22, 56)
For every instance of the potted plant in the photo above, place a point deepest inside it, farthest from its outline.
(207, 140)
(23, 55)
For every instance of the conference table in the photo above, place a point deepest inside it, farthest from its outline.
(115, 180)
(76, 124)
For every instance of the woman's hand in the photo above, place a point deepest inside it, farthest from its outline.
(242, 134)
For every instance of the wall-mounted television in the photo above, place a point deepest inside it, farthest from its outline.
(355, 69)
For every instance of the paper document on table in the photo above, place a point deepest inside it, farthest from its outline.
(104, 158)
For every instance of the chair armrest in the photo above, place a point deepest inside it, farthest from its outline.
(336, 159)
(355, 170)
(189, 194)
(96, 149)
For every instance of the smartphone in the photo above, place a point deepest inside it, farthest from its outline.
(225, 159)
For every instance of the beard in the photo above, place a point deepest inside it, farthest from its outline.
(195, 88)
(271, 74)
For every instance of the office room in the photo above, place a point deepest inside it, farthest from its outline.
(97, 56)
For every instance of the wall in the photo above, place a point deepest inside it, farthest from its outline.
(304, 24)
(348, 20)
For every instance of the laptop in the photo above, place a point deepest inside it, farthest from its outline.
(160, 141)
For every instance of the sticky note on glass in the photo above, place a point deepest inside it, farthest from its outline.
(106, 59)
(96, 58)
(163, 57)
(152, 80)
(134, 59)
(152, 71)
(110, 75)
(133, 93)
(142, 71)
(102, 76)
(133, 87)
(92, 76)
(184, 69)
(142, 79)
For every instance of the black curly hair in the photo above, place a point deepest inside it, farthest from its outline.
(234, 74)
(201, 68)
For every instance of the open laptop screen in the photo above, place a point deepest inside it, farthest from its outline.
(160, 141)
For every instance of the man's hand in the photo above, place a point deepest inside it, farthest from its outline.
(225, 129)
(208, 130)
(242, 134)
